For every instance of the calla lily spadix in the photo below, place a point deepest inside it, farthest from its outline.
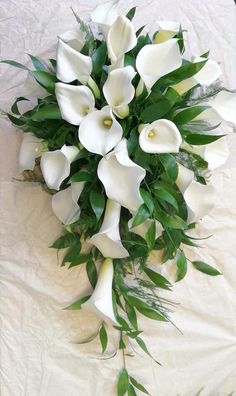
(121, 38)
(142, 228)
(29, 150)
(119, 91)
(161, 136)
(101, 300)
(156, 60)
(121, 177)
(72, 65)
(100, 132)
(74, 101)
(225, 105)
(105, 14)
(166, 31)
(107, 240)
(55, 165)
(64, 203)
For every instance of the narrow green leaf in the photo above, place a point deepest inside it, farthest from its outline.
(97, 202)
(187, 115)
(158, 279)
(147, 200)
(16, 121)
(206, 268)
(151, 235)
(167, 197)
(141, 215)
(80, 176)
(130, 311)
(145, 309)
(155, 111)
(38, 64)
(170, 221)
(77, 304)
(131, 13)
(47, 80)
(143, 346)
(15, 64)
(138, 386)
(99, 58)
(170, 165)
(103, 338)
(72, 253)
(123, 383)
(65, 241)
(182, 267)
(173, 96)
(91, 272)
(200, 139)
(139, 31)
(131, 391)
(49, 112)
(14, 108)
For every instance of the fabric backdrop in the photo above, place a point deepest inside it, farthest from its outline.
(39, 354)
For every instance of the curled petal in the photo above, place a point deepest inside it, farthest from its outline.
(210, 72)
(72, 65)
(216, 153)
(105, 15)
(199, 199)
(55, 168)
(161, 136)
(101, 300)
(185, 178)
(156, 60)
(74, 38)
(225, 104)
(142, 228)
(70, 152)
(167, 30)
(29, 150)
(64, 203)
(121, 177)
(74, 101)
(121, 38)
(99, 132)
(107, 240)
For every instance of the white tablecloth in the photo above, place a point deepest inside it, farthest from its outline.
(38, 353)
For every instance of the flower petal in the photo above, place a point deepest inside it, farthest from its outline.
(107, 240)
(64, 203)
(72, 65)
(200, 200)
(121, 177)
(185, 85)
(167, 30)
(74, 38)
(161, 136)
(101, 300)
(210, 72)
(99, 132)
(225, 104)
(216, 153)
(142, 228)
(28, 152)
(156, 60)
(121, 38)
(70, 152)
(74, 101)
(185, 178)
(55, 168)
(105, 15)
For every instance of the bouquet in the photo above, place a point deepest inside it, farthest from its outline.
(125, 138)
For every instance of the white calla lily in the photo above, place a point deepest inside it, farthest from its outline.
(64, 203)
(55, 165)
(121, 177)
(184, 178)
(156, 60)
(200, 200)
(74, 101)
(161, 136)
(166, 31)
(121, 38)
(101, 300)
(100, 132)
(119, 91)
(30, 148)
(142, 228)
(225, 104)
(107, 240)
(72, 65)
(74, 38)
(105, 14)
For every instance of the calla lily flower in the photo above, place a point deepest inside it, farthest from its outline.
(105, 15)
(101, 300)
(64, 203)
(74, 38)
(72, 65)
(121, 177)
(29, 150)
(55, 165)
(121, 38)
(184, 178)
(161, 136)
(100, 132)
(225, 104)
(156, 60)
(107, 240)
(166, 30)
(142, 228)
(200, 200)
(119, 91)
(74, 101)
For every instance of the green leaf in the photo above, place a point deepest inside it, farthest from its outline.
(130, 311)
(77, 304)
(80, 176)
(16, 121)
(145, 309)
(141, 215)
(123, 383)
(65, 241)
(158, 280)
(187, 115)
(170, 165)
(45, 79)
(200, 139)
(139, 31)
(72, 253)
(103, 338)
(147, 200)
(14, 108)
(97, 202)
(38, 64)
(167, 197)
(81, 259)
(49, 112)
(173, 96)
(131, 13)
(151, 235)
(91, 272)
(182, 267)
(170, 221)
(131, 391)
(99, 58)
(138, 386)
(143, 346)
(155, 111)
(15, 64)
(206, 268)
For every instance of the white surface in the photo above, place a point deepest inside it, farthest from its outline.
(38, 357)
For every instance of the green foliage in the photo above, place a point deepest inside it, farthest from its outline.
(123, 382)
(205, 268)
(182, 267)
(103, 338)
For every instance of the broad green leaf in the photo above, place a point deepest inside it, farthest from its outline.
(170, 221)
(158, 279)
(151, 235)
(80, 176)
(145, 309)
(141, 215)
(15, 64)
(187, 115)
(45, 79)
(155, 111)
(81, 259)
(66, 241)
(99, 58)
(38, 64)
(138, 386)
(16, 121)
(147, 199)
(182, 267)
(206, 268)
(131, 13)
(123, 383)
(200, 139)
(77, 304)
(103, 338)
(132, 142)
(91, 272)
(170, 165)
(48, 112)
(143, 346)
(172, 96)
(166, 196)
(72, 253)
(97, 202)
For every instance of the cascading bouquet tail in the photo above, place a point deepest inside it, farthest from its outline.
(125, 134)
